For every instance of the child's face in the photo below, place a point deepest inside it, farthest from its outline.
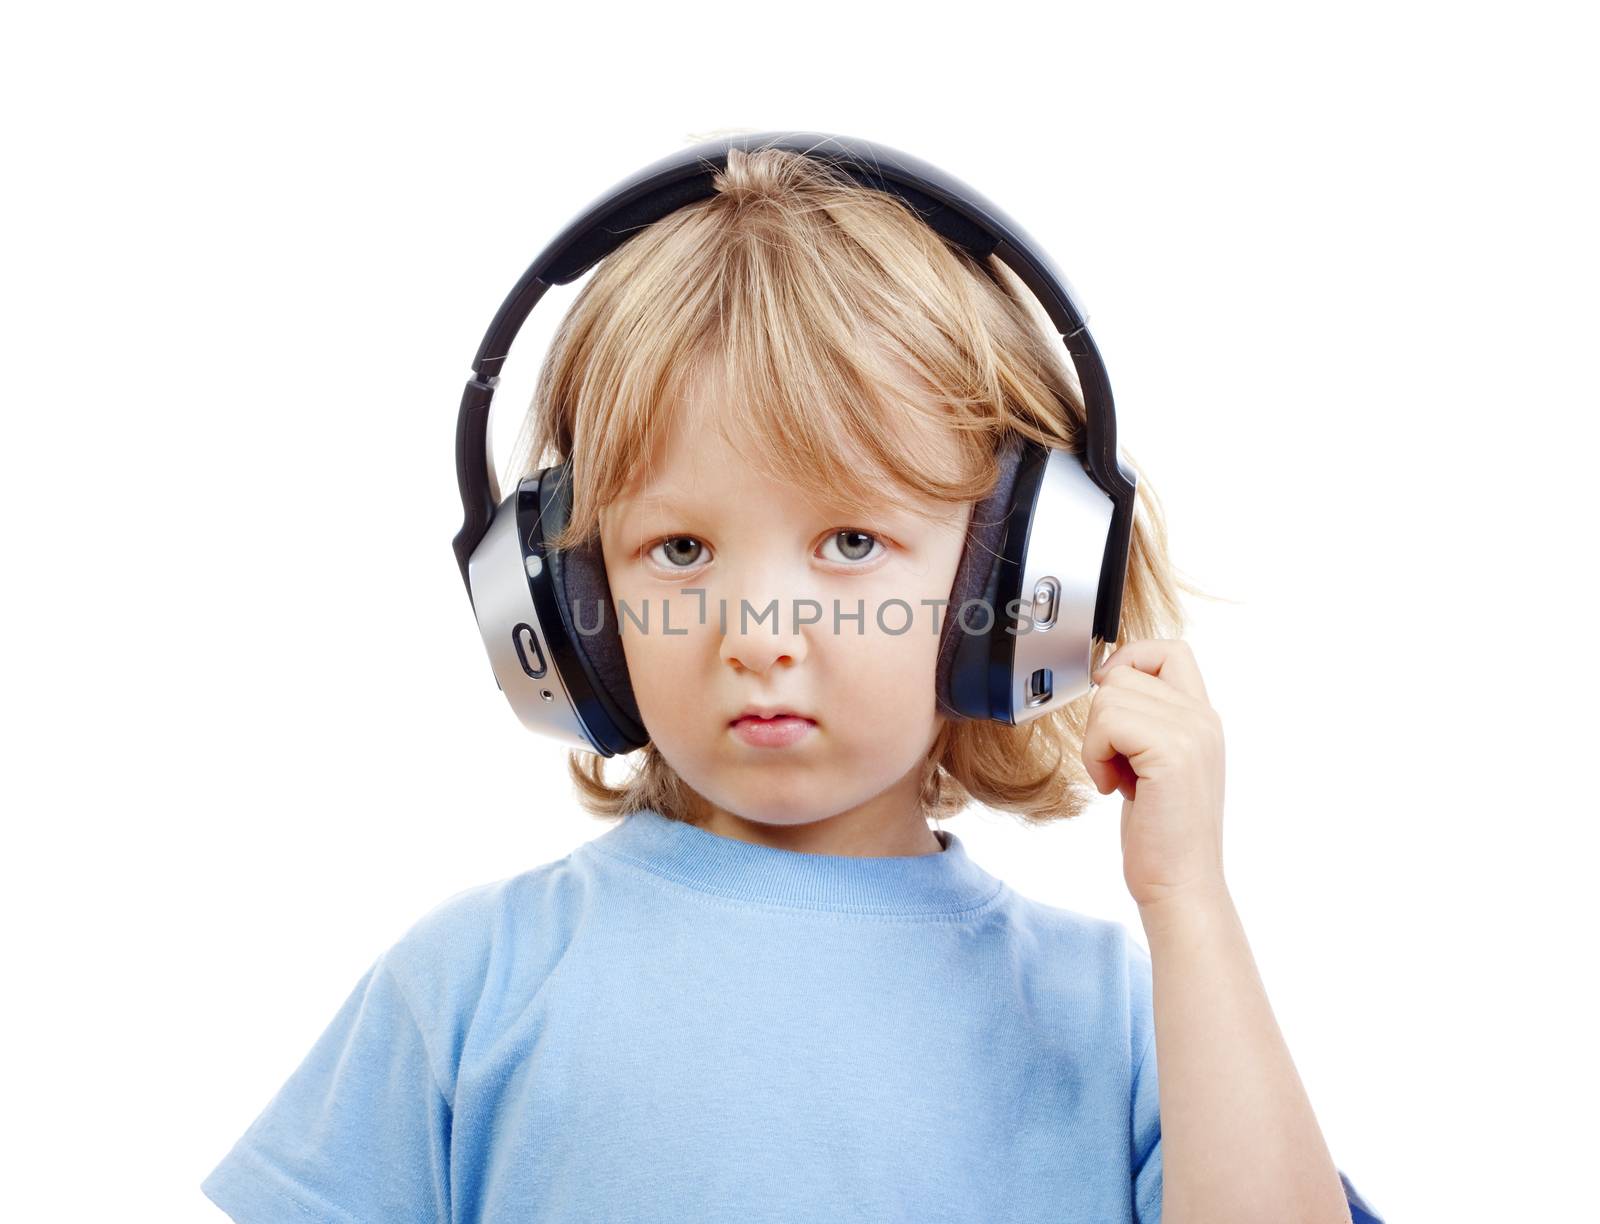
(709, 523)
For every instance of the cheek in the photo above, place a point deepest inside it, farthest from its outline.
(658, 666)
(885, 684)
(664, 671)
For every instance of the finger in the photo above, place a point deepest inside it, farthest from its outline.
(1127, 781)
(1123, 723)
(1171, 659)
(1125, 676)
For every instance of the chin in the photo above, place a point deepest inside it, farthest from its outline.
(788, 820)
(761, 809)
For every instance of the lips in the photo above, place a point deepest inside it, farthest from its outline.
(778, 732)
(768, 713)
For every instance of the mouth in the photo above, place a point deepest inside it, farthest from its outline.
(779, 731)
(769, 713)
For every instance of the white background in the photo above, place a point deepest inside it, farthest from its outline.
(1340, 263)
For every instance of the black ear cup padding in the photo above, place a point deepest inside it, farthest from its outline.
(578, 576)
(977, 577)
(586, 585)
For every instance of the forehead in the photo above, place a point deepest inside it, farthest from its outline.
(713, 438)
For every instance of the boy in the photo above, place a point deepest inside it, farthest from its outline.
(771, 991)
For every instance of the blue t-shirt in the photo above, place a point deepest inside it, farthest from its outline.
(671, 1025)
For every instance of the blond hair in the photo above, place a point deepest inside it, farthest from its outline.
(814, 302)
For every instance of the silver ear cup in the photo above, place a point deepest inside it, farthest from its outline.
(500, 572)
(1068, 534)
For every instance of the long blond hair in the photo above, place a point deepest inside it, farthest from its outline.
(811, 299)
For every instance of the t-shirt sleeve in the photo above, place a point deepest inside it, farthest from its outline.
(359, 1133)
(1146, 1137)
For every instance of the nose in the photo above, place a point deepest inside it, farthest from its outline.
(762, 635)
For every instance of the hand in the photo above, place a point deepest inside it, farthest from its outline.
(1152, 734)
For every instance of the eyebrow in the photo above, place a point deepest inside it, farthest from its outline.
(673, 500)
(635, 513)
(672, 497)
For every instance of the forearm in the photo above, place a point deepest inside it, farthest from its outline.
(1239, 1140)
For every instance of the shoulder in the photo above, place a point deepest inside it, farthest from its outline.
(1097, 960)
(1099, 941)
(462, 929)
(485, 943)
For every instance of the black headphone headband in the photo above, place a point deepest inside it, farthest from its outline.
(950, 207)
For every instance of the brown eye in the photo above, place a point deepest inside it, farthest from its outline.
(856, 546)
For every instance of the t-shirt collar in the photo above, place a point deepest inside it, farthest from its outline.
(945, 883)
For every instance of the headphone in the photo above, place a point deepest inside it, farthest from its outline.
(1046, 594)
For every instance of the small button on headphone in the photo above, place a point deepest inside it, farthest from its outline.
(1047, 550)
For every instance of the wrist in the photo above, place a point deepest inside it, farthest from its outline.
(1186, 906)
